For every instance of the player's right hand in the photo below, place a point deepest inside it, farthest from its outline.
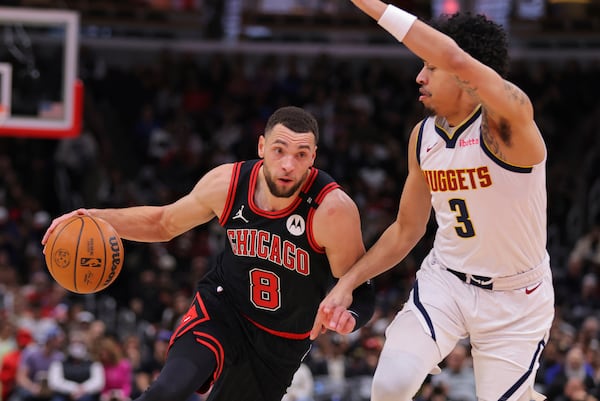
(58, 220)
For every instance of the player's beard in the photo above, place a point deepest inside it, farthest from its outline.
(276, 191)
(428, 112)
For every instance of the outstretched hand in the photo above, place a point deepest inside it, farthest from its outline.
(60, 219)
(333, 313)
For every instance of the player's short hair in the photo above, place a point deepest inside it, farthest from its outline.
(294, 118)
(482, 38)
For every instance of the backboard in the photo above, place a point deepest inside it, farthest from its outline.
(40, 93)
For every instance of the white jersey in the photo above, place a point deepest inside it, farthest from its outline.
(491, 215)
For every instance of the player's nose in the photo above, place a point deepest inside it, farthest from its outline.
(421, 76)
(288, 163)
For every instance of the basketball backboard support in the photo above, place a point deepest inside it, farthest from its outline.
(40, 93)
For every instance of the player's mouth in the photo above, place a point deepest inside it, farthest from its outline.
(424, 94)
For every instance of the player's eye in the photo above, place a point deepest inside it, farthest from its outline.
(429, 67)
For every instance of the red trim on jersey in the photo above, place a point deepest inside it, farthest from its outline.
(277, 213)
(309, 219)
(284, 334)
(312, 176)
(235, 177)
(216, 347)
(191, 318)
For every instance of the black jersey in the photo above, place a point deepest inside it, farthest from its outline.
(272, 270)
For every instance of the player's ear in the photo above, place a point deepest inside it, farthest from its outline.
(261, 146)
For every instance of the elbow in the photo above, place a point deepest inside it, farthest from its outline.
(457, 60)
(409, 233)
(165, 227)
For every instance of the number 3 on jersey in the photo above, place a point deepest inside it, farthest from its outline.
(465, 229)
(264, 289)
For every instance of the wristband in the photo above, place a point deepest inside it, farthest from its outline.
(363, 304)
(356, 318)
(396, 21)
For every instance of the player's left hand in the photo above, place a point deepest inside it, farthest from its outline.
(337, 319)
(333, 313)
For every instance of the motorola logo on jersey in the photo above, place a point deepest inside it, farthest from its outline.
(296, 225)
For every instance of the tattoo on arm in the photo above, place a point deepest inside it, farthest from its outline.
(467, 87)
(514, 93)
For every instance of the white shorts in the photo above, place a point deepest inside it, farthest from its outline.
(507, 329)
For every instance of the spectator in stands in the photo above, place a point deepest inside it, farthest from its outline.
(77, 377)
(152, 363)
(575, 389)
(117, 371)
(585, 256)
(7, 336)
(10, 363)
(302, 387)
(457, 377)
(574, 367)
(133, 353)
(32, 373)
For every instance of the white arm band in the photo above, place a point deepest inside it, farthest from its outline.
(396, 21)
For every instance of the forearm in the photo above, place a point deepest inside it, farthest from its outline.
(96, 381)
(387, 252)
(138, 223)
(373, 8)
(424, 41)
(57, 381)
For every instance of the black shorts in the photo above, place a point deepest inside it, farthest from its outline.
(252, 364)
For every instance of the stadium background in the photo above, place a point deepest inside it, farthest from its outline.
(176, 87)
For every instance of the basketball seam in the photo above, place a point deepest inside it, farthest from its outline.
(75, 262)
(56, 236)
(105, 254)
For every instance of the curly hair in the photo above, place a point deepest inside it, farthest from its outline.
(482, 38)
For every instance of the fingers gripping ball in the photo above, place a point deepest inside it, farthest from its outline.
(84, 254)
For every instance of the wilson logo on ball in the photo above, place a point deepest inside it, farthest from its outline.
(115, 247)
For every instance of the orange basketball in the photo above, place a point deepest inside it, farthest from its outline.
(84, 254)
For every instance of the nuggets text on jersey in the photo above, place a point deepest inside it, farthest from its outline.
(458, 179)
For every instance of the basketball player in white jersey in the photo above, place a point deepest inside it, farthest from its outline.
(479, 160)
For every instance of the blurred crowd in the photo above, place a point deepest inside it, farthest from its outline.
(152, 130)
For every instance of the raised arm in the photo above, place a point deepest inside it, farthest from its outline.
(511, 132)
(443, 52)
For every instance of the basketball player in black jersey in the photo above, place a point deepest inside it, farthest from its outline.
(290, 232)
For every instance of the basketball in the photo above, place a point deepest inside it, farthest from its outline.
(84, 254)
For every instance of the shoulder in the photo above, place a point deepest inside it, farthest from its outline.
(220, 173)
(216, 180)
(336, 203)
(336, 215)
